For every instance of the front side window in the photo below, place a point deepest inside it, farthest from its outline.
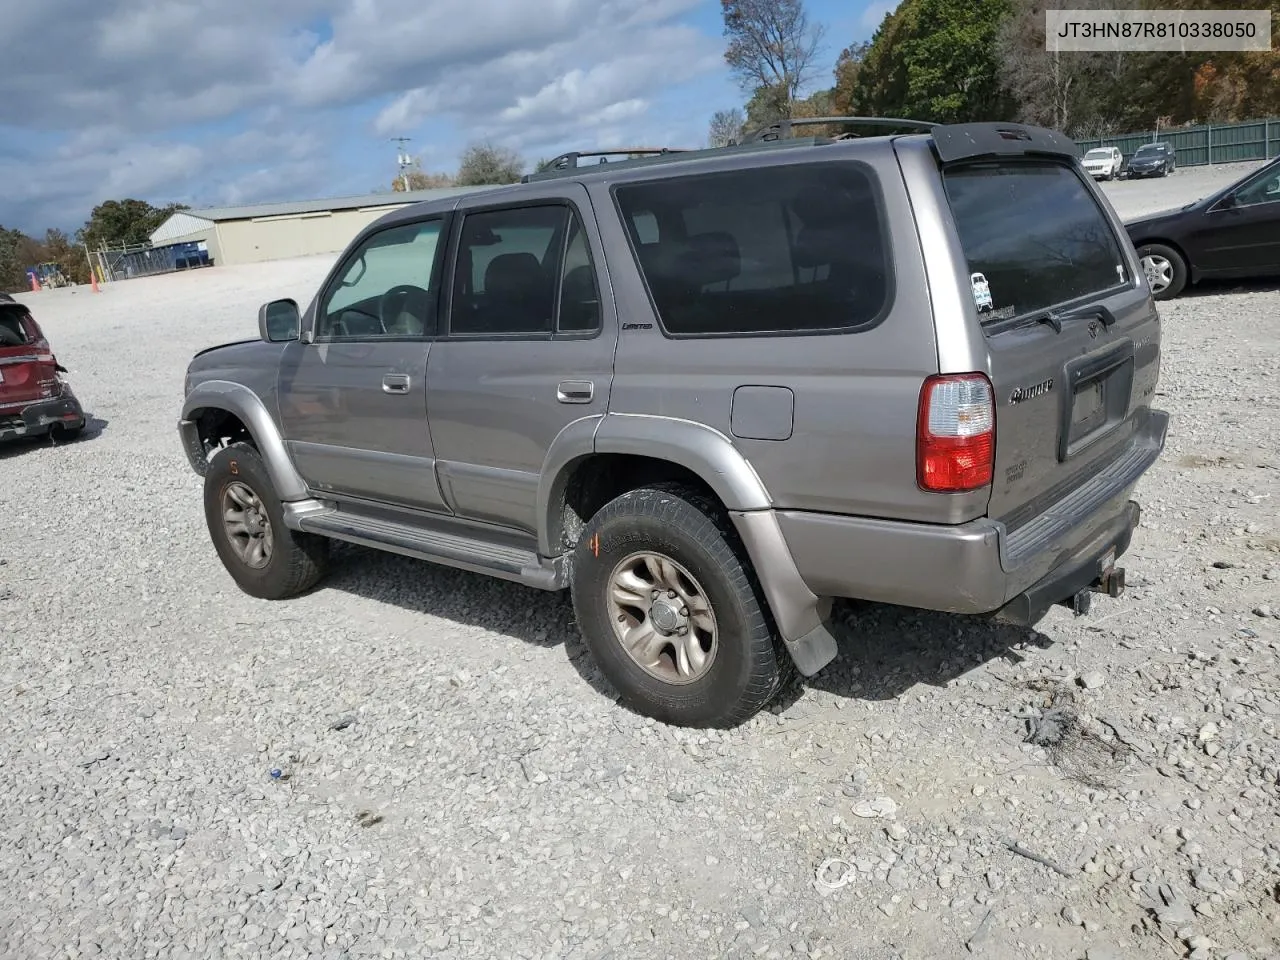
(1035, 234)
(388, 287)
(1266, 189)
(13, 332)
(779, 249)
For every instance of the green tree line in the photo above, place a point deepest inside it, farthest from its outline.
(953, 61)
(112, 223)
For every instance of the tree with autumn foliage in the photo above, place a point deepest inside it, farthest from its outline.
(773, 50)
(958, 60)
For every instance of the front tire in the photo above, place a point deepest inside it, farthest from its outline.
(672, 612)
(245, 518)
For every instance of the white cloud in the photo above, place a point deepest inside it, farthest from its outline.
(132, 85)
(875, 13)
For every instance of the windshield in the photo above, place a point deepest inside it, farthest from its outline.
(1147, 151)
(1098, 155)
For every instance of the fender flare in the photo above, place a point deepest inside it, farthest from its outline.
(705, 451)
(800, 615)
(237, 399)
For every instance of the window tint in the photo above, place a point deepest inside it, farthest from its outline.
(778, 249)
(1035, 234)
(509, 264)
(579, 294)
(1263, 190)
(12, 332)
(387, 288)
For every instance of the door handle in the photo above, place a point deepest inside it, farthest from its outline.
(395, 383)
(575, 391)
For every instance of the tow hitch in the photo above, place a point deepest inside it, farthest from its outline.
(1110, 582)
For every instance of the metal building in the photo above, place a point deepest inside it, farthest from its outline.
(277, 231)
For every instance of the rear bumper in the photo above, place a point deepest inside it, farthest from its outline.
(39, 417)
(1083, 571)
(978, 567)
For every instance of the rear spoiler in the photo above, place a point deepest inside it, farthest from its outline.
(970, 141)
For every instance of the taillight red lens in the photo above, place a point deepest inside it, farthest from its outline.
(955, 433)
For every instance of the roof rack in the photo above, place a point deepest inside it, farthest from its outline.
(777, 135)
(569, 161)
(782, 130)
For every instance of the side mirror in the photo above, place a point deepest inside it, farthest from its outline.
(279, 321)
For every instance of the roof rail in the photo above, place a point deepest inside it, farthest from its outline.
(569, 161)
(782, 129)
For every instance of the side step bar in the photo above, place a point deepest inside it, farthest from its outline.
(436, 546)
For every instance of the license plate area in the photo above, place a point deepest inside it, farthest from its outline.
(1096, 398)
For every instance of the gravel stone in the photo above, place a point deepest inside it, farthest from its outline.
(524, 812)
(1093, 679)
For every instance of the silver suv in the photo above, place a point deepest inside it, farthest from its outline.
(709, 391)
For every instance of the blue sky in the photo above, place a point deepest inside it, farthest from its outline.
(213, 102)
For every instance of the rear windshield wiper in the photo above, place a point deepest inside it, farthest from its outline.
(1092, 311)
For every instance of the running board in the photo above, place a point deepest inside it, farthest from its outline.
(449, 549)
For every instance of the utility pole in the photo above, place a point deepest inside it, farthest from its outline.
(403, 160)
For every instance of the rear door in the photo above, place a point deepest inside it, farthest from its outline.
(528, 348)
(1071, 335)
(27, 372)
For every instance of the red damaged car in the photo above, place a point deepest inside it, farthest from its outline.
(34, 399)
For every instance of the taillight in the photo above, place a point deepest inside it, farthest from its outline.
(955, 433)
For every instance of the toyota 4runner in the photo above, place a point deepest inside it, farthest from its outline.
(709, 391)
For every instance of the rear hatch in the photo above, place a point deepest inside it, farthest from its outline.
(1072, 339)
(27, 371)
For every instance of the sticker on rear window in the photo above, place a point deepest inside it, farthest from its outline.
(981, 292)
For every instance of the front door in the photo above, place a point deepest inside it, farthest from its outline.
(353, 401)
(528, 351)
(1244, 238)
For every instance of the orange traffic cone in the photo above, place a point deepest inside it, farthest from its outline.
(93, 279)
(35, 284)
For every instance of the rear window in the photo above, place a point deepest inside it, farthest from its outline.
(780, 249)
(1033, 236)
(12, 333)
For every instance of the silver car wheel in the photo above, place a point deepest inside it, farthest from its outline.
(1159, 272)
(248, 526)
(662, 618)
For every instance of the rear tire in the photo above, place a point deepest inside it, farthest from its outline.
(662, 559)
(1165, 269)
(245, 518)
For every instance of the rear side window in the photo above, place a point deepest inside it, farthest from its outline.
(1033, 236)
(780, 249)
(12, 332)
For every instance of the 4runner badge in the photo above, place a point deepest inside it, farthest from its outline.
(1030, 393)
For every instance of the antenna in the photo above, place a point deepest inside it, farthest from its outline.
(403, 160)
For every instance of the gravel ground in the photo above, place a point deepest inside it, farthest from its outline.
(456, 780)
(1139, 198)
